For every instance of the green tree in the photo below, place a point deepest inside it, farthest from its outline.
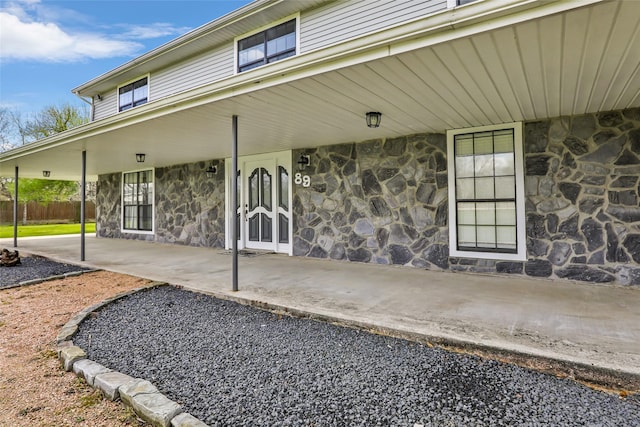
(43, 191)
(52, 120)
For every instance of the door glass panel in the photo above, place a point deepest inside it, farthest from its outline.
(283, 229)
(254, 228)
(283, 189)
(254, 198)
(266, 228)
(266, 189)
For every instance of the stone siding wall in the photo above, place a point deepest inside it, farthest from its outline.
(189, 206)
(385, 201)
(379, 201)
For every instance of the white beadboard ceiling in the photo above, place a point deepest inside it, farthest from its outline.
(579, 61)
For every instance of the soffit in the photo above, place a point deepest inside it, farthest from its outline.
(570, 63)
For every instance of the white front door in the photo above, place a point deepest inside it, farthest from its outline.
(264, 201)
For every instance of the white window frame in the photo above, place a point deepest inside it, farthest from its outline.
(295, 16)
(148, 77)
(153, 203)
(521, 242)
(454, 3)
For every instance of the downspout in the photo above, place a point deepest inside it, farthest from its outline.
(91, 105)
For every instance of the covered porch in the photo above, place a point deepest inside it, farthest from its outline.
(587, 331)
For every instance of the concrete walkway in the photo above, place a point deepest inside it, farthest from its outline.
(581, 325)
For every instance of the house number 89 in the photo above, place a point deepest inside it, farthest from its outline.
(305, 180)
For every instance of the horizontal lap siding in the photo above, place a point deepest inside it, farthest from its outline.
(106, 107)
(331, 24)
(197, 71)
(341, 21)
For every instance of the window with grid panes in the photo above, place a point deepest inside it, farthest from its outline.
(486, 206)
(137, 201)
(268, 46)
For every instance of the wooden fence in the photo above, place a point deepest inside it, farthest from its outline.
(53, 212)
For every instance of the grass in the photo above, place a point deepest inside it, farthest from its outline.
(46, 229)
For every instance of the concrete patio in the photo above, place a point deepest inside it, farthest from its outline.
(592, 331)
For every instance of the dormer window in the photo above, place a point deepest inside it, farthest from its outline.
(133, 94)
(267, 46)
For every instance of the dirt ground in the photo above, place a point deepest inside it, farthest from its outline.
(34, 389)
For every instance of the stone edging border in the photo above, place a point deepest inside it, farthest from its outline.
(50, 278)
(139, 394)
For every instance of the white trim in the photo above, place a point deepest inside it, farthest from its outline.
(295, 16)
(521, 251)
(148, 77)
(153, 205)
(454, 3)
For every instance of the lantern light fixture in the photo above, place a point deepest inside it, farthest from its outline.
(211, 171)
(140, 157)
(373, 119)
(46, 174)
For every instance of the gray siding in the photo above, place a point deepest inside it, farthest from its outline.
(197, 71)
(333, 23)
(344, 20)
(108, 106)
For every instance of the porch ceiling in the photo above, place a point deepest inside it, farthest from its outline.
(579, 61)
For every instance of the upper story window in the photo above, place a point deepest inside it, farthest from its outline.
(454, 3)
(486, 195)
(267, 46)
(133, 94)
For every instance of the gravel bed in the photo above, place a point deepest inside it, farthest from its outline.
(230, 364)
(34, 267)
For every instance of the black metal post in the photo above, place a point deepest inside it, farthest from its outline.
(234, 202)
(83, 196)
(15, 210)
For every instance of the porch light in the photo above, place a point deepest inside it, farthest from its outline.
(140, 157)
(303, 161)
(211, 171)
(46, 174)
(373, 119)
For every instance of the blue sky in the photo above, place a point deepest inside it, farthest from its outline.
(49, 47)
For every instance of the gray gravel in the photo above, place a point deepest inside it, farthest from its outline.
(33, 267)
(230, 364)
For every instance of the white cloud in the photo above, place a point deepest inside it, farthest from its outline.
(152, 31)
(26, 39)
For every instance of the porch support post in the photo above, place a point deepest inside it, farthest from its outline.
(234, 202)
(15, 210)
(83, 196)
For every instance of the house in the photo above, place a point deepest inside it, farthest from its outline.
(487, 136)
